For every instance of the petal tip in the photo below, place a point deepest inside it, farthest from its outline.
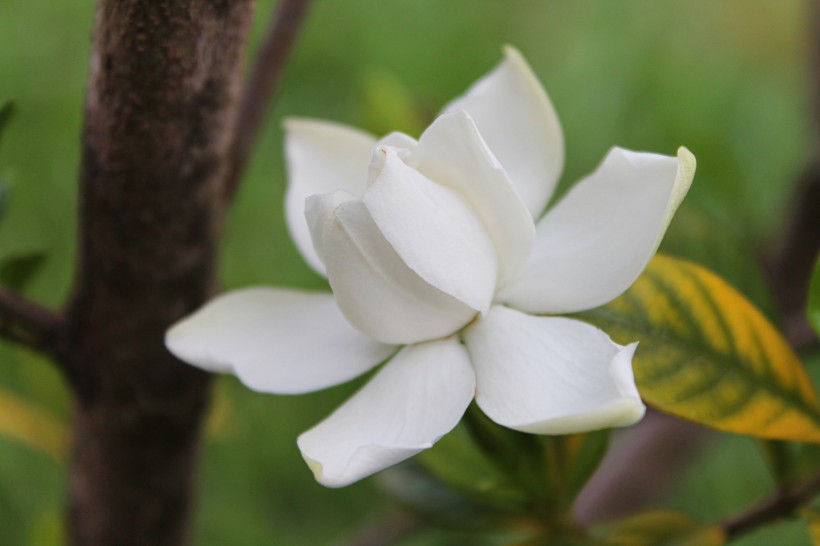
(318, 472)
(632, 413)
(182, 340)
(512, 53)
(172, 338)
(687, 164)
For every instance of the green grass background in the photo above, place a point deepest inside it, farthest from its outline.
(726, 78)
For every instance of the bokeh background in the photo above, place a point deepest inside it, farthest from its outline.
(727, 78)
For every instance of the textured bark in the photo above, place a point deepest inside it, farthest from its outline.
(161, 106)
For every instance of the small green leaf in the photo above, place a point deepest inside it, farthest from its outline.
(813, 310)
(17, 270)
(710, 356)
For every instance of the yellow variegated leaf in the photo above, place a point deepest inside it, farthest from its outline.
(708, 355)
(28, 424)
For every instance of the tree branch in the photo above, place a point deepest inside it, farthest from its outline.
(162, 100)
(25, 322)
(782, 504)
(262, 85)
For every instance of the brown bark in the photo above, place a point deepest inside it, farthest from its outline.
(161, 106)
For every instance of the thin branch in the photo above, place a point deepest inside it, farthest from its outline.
(25, 322)
(262, 85)
(783, 504)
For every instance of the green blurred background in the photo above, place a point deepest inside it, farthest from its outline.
(726, 78)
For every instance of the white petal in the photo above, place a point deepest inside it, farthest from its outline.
(551, 375)
(434, 231)
(417, 398)
(404, 144)
(452, 153)
(519, 124)
(275, 340)
(319, 208)
(321, 157)
(374, 288)
(593, 245)
(406, 147)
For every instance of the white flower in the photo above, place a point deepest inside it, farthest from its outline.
(433, 253)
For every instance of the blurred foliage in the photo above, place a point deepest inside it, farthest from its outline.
(724, 78)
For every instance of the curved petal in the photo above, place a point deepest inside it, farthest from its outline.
(452, 152)
(321, 157)
(417, 398)
(551, 375)
(374, 288)
(274, 340)
(319, 209)
(519, 124)
(434, 231)
(593, 245)
(405, 145)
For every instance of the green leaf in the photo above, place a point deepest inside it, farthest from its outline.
(17, 270)
(520, 456)
(709, 355)
(813, 310)
(661, 528)
(420, 492)
(457, 462)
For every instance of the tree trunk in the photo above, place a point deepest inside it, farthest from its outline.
(160, 110)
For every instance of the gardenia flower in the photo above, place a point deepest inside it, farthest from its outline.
(440, 264)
